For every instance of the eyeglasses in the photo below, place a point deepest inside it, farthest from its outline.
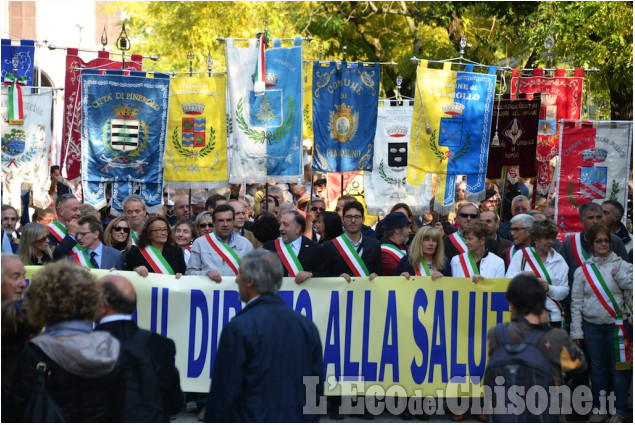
(353, 217)
(82, 234)
(206, 225)
(121, 229)
(162, 230)
(601, 241)
(43, 238)
(465, 215)
(518, 229)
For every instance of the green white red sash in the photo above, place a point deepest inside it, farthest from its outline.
(393, 251)
(423, 269)
(539, 269)
(156, 260)
(58, 230)
(15, 110)
(350, 255)
(80, 255)
(510, 254)
(134, 237)
(468, 265)
(288, 257)
(579, 253)
(458, 241)
(225, 251)
(598, 285)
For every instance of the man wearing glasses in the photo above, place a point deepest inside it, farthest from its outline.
(313, 209)
(91, 252)
(520, 226)
(352, 254)
(454, 244)
(219, 253)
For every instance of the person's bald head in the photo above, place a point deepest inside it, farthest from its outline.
(119, 295)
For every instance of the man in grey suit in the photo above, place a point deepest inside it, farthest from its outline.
(98, 255)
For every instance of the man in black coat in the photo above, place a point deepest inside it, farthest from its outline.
(120, 302)
(291, 246)
(265, 353)
(352, 254)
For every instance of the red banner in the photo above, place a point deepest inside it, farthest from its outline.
(71, 150)
(561, 98)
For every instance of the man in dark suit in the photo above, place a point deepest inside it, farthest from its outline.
(265, 353)
(292, 246)
(492, 220)
(120, 302)
(98, 255)
(352, 254)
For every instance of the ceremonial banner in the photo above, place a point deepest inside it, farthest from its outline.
(451, 128)
(422, 335)
(125, 124)
(267, 128)
(25, 51)
(390, 162)
(342, 96)
(561, 98)
(25, 150)
(594, 167)
(337, 184)
(517, 122)
(307, 109)
(70, 152)
(196, 148)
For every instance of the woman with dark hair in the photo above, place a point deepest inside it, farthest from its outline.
(426, 256)
(597, 321)
(80, 365)
(155, 251)
(184, 234)
(34, 245)
(477, 262)
(117, 235)
(266, 227)
(328, 226)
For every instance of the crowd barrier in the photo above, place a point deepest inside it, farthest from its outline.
(423, 336)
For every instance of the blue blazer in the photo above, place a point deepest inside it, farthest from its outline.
(311, 256)
(263, 354)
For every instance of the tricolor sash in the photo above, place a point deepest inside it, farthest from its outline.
(58, 230)
(579, 253)
(468, 264)
(598, 285)
(350, 255)
(393, 251)
(458, 241)
(156, 260)
(539, 269)
(16, 107)
(510, 254)
(134, 237)
(288, 257)
(423, 269)
(225, 251)
(80, 255)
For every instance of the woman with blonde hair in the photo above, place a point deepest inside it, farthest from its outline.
(425, 256)
(117, 235)
(34, 245)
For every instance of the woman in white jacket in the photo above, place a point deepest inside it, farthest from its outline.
(547, 265)
(597, 321)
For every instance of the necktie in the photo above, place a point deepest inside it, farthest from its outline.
(93, 262)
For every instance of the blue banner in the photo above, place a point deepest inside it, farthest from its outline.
(24, 50)
(123, 136)
(341, 97)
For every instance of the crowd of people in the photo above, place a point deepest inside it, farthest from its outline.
(259, 234)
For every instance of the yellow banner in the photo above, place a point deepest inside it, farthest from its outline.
(196, 145)
(420, 334)
(307, 100)
(435, 88)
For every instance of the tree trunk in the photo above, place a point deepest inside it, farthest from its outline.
(622, 103)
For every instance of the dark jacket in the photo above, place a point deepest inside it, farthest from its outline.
(311, 256)
(263, 354)
(371, 256)
(451, 250)
(163, 352)
(82, 377)
(173, 255)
